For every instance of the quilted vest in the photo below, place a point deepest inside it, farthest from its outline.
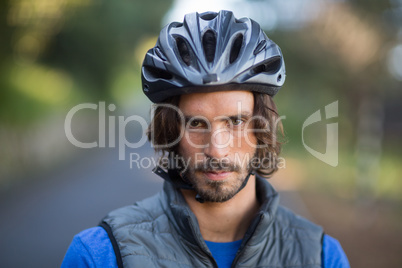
(162, 231)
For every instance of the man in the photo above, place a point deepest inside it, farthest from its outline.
(213, 78)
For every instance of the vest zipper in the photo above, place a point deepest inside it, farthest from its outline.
(208, 253)
(246, 238)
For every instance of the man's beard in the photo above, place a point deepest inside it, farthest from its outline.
(216, 191)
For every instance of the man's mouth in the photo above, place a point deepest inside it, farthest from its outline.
(217, 175)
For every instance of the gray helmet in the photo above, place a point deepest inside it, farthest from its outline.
(211, 49)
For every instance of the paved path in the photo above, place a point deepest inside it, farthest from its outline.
(39, 219)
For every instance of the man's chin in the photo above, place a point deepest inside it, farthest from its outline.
(215, 191)
(216, 198)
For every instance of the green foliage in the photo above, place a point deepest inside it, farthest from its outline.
(373, 6)
(54, 52)
(5, 33)
(98, 38)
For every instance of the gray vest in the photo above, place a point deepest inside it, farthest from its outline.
(161, 231)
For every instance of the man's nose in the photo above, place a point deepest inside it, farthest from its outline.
(219, 144)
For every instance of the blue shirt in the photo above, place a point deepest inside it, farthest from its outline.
(223, 253)
(92, 248)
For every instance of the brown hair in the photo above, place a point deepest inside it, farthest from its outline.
(165, 129)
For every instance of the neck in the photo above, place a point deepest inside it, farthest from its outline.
(227, 221)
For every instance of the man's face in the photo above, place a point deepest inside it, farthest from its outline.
(218, 141)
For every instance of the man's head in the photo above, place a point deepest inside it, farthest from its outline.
(220, 136)
(212, 78)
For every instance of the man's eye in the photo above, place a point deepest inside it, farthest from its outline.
(196, 123)
(237, 121)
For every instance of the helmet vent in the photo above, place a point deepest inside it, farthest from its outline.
(176, 24)
(160, 53)
(261, 45)
(209, 45)
(157, 73)
(234, 52)
(271, 67)
(209, 16)
(184, 50)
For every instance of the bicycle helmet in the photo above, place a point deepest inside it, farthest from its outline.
(211, 49)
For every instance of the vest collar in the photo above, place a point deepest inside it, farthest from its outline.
(186, 224)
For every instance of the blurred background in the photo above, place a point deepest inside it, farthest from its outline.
(55, 55)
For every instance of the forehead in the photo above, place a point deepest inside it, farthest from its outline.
(221, 103)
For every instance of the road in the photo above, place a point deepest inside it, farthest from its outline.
(40, 218)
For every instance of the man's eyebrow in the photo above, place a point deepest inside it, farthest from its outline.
(245, 115)
(193, 117)
(241, 115)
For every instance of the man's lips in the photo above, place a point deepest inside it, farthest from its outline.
(216, 176)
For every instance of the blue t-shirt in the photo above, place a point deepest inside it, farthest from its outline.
(223, 253)
(92, 248)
